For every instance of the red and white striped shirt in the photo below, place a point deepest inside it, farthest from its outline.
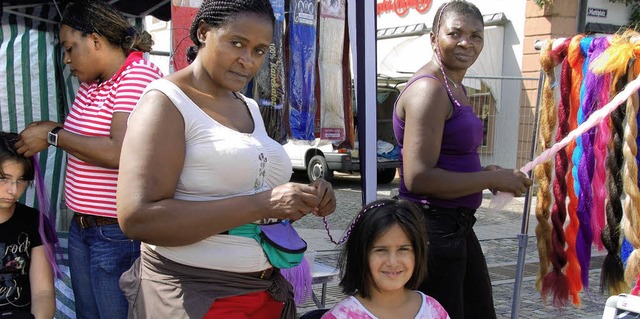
(90, 189)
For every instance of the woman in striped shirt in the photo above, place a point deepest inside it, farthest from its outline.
(104, 52)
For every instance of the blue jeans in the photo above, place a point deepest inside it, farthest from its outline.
(97, 257)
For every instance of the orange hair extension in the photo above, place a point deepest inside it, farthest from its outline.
(615, 59)
(547, 124)
(632, 200)
(573, 265)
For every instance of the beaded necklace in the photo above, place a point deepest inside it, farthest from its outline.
(455, 84)
(439, 60)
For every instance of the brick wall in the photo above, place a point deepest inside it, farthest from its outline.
(554, 21)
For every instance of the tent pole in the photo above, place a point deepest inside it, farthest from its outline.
(365, 85)
(523, 237)
(55, 3)
(28, 16)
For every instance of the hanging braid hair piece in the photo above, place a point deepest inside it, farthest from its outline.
(555, 282)
(632, 199)
(614, 61)
(543, 172)
(575, 59)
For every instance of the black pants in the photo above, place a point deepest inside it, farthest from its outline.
(457, 271)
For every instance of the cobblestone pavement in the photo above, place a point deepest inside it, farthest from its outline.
(498, 233)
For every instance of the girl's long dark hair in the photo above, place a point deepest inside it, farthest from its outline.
(32, 171)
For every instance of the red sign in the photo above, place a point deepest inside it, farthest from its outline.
(401, 7)
(181, 19)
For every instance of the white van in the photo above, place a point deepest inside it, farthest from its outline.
(320, 158)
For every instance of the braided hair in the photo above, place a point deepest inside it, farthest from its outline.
(217, 13)
(459, 7)
(8, 152)
(97, 16)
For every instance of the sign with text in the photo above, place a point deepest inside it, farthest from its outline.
(401, 7)
(596, 12)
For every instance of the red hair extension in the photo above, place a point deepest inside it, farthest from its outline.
(542, 173)
(575, 58)
(555, 282)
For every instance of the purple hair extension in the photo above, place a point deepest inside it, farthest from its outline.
(593, 84)
(46, 229)
(300, 278)
(585, 166)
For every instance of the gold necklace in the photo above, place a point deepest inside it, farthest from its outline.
(455, 85)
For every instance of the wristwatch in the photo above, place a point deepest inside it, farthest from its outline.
(52, 137)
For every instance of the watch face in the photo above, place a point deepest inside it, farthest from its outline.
(52, 139)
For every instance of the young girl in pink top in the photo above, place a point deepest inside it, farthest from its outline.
(379, 269)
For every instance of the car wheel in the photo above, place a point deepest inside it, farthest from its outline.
(386, 175)
(318, 168)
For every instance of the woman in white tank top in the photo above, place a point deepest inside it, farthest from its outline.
(197, 162)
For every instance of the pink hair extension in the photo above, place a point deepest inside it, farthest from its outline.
(597, 95)
(555, 282)
(46, 229)
(603, 134)
(636, 289)
(542, 173)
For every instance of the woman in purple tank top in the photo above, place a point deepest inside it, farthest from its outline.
(439, 136)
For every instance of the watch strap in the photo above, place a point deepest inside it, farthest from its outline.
(56, 129)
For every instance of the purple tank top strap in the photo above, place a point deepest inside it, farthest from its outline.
(422, 77)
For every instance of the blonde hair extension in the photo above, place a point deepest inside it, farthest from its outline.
(543, 171)
(632, 200)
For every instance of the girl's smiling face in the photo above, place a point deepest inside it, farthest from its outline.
(391, 260)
